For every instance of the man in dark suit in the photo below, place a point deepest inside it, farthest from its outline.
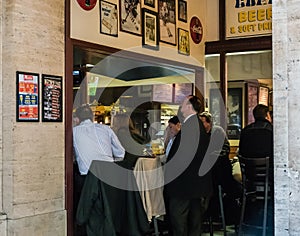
(188, 193)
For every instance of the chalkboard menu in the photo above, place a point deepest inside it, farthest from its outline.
(52, 98)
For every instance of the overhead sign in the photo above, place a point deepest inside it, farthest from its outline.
(246, 18)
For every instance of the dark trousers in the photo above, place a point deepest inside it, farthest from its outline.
(186, 215)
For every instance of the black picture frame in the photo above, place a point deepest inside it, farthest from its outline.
(27, 96)
(150, 29)
(150, 3)
(52, 94)
(183, 42)
(130, 17)
(234, 112)
(108, 18)
(182, 10)
(167, 21)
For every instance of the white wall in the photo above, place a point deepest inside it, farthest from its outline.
(85, 26)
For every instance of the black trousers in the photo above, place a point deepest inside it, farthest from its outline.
(186, 215)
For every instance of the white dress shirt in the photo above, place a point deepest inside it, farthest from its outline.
(95, 142)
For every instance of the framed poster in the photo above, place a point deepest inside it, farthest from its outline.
(167, 18)
(150, 31)
(263, 95)
(150, 3)
(130, 16)
(183, 42)
(52, 109)
(234, 112)
(182, 10)
(108, 18)
(27, 96)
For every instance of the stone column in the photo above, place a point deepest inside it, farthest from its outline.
(32, 152)
(286, 74)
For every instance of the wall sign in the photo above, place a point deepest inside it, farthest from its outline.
(87, 4)
(27, 96)
(196, 30)
(52, 98)
(248, 18)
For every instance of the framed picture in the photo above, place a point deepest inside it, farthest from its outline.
(234, 112)
(150, 30)
(27, 96)
(150, 3)
(130, 16)
(52, 109)
(167, 25)
(183, 42)
(182, 10)
(215, 103)
(108, 18)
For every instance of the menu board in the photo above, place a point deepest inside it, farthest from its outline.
(181, 91)
(264, 96)
(27, 96)
(52, 98)
(163, 93)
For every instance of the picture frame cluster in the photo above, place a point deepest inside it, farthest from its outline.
(153, 20)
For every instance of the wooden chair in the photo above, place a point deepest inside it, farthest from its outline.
(255, 181)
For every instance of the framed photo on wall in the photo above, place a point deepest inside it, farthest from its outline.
(52, 109)
(130, 16)
(183, 42)
(108, 18)
(182, 10)
(167, 18)
(234, 112)
(150, 3)
(150, 30)
(27, 96)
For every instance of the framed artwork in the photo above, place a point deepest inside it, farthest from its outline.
(130, 16)
(215, 103)
(108, 18)
(234, 112)
(263, 95)
(27, 96)
(150, 30)
(150, 3)
(183, 42)
(182, 10)
(52, 109)
(167, 19)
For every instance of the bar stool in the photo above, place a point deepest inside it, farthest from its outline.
(255, 182)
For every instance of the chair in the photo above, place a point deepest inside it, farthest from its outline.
(255, 181)
(222, 215)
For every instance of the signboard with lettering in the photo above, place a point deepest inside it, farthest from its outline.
(196, 30)
(246, 18)
(52, 98)
(27, 96)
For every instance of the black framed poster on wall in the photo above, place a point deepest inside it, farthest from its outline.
(52, 98)
(27, 96)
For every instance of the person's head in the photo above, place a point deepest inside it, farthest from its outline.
(207, 121)
(122, 121)
(174, 126)
(191, 105)
(84, 112)
(261, 112)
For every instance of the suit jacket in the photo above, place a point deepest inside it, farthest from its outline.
(184, 160)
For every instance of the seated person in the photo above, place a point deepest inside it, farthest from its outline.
(256, 139)
(129, 137)
(222, 170)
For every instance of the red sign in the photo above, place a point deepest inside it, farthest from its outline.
(196, 30)
(87, 4)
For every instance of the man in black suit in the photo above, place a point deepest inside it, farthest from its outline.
(188, 193)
